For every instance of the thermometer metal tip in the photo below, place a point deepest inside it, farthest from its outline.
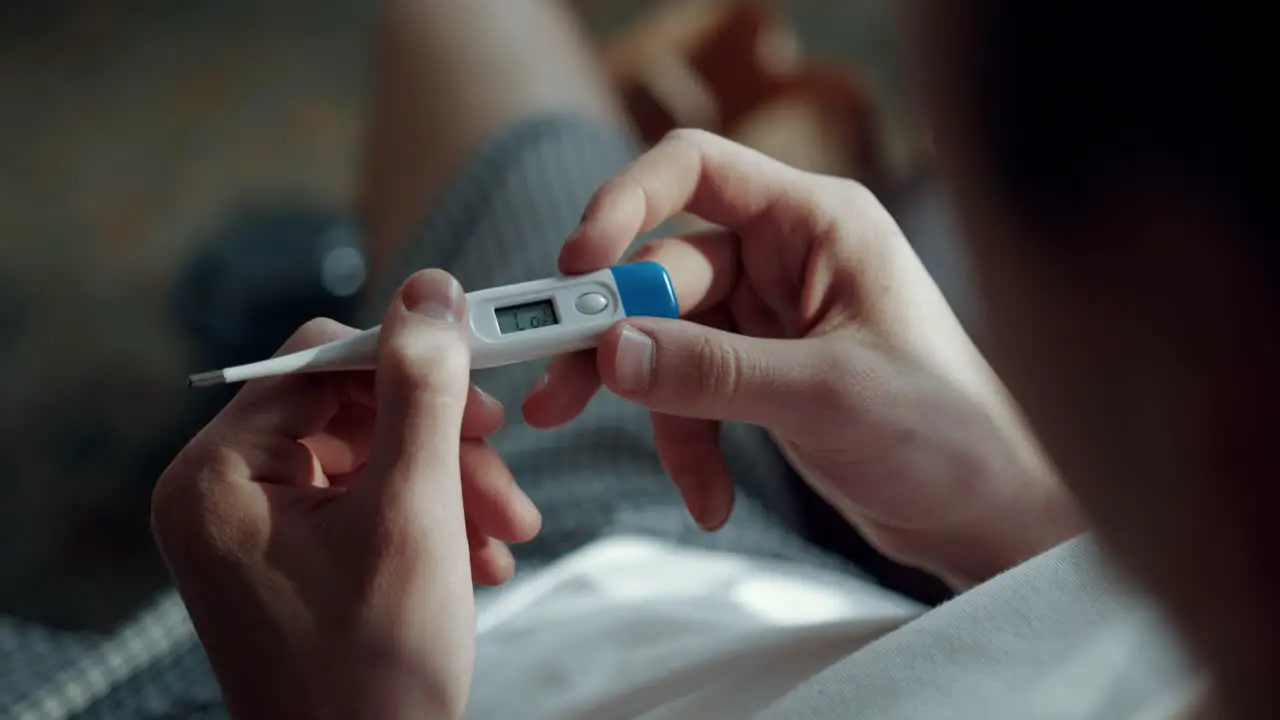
(207, 379)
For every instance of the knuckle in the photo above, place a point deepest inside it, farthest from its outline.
(179, 501)
(625, 195)
(314, 332)
(720, 368)
(197, 516)
(166, 501)
(613, 192)
(454, 361)
(832, 199)
(427, 361)
(846, 221)
(600, 197)
(850, 196)
(849, 189)
(819, 205)
(691, 137)
(318, 326)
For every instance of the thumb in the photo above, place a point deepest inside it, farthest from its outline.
(681, 368)
(423, 376)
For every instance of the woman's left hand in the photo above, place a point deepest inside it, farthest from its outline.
(325, 530)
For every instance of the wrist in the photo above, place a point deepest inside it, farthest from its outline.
(385, 682)
(1027, 508)
(392, 698)
(1039, 514)
(349, 682)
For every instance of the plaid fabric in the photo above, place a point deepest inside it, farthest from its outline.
(48, 675)
(502, 222)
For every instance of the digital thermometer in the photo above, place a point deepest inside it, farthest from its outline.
(508, 325)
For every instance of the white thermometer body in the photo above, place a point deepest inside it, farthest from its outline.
(509, 324)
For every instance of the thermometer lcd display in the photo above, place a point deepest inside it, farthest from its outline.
(528, 316)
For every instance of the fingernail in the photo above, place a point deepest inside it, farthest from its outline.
(634, 364)
(434, 294)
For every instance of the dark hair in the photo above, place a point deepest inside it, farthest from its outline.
(1074, 95)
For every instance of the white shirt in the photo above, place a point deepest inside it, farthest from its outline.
(630, 627)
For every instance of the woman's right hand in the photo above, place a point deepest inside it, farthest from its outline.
(807, 312)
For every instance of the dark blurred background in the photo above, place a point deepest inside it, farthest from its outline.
(131, 132)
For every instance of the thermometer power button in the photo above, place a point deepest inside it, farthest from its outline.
(592, 303)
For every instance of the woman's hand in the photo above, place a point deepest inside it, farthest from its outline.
(808, 313)
(325, 530)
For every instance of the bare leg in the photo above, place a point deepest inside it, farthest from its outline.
(449, 74)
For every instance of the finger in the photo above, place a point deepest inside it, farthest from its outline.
(564, 391)
(422, 380)
(293, 406)
(681, 368)
(689, 449)
(571, 381)
(493, 502)
(344, 445)
(690, 453)
(476, 539)
(281, 461)
(694, 171)
(492, 563)
(484, 414)
(704, 268)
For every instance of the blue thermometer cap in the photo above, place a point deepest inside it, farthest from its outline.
(646, 290)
